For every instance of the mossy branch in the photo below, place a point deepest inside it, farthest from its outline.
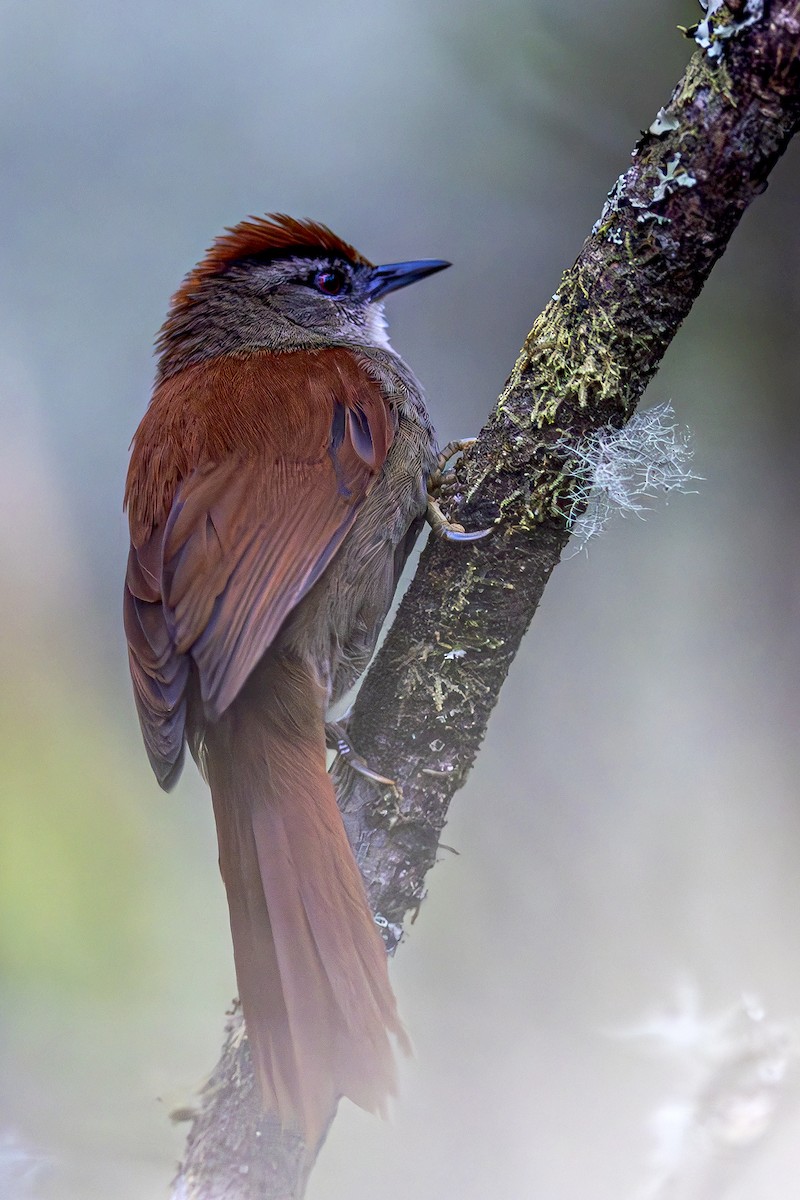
(424, 706)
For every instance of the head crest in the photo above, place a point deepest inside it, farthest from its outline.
(277, 234)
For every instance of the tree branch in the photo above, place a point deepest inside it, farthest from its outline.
(424, 706)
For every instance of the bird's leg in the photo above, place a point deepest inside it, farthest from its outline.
(336, 738)
(440, 526)
(450, 451)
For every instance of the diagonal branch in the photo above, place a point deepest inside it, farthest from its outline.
(423, 709)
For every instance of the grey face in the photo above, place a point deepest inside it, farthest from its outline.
(286, 304)
(332, 295)
(325, 297)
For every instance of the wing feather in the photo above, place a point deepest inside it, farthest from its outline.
(247, 532)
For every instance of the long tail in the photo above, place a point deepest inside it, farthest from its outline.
(310, 963)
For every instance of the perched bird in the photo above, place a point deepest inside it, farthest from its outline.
(277, 483)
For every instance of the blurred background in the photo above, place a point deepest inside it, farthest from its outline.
(628, 841)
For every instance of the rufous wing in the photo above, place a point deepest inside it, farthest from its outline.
(289, 457)
(159, 673)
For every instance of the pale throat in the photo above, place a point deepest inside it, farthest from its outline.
(375, 327)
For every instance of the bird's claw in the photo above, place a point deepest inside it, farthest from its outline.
(336, 739)
(449, 531)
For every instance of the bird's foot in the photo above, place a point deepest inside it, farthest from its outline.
(336, 738)
(450, 451)
(449, 530)
(441, 482)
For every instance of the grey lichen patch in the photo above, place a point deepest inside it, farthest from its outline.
(656, 185)
(611, 206)
(643, 187)
(671, 178)
(664, 122)
(716, 27)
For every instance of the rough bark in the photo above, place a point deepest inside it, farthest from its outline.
(423, 709)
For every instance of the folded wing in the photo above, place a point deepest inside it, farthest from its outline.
(267, 460)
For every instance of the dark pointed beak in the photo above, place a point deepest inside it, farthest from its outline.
(398, 275)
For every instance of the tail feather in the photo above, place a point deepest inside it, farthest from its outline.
(310, 963)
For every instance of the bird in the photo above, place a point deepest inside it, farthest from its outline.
(277, 483)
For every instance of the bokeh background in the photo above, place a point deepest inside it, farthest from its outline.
(628, 843)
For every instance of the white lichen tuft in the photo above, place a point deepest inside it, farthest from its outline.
(737, 1080)
(618, 470)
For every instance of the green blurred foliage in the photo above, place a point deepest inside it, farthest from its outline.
(72, 903)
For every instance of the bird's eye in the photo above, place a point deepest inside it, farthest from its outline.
(331, 282)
